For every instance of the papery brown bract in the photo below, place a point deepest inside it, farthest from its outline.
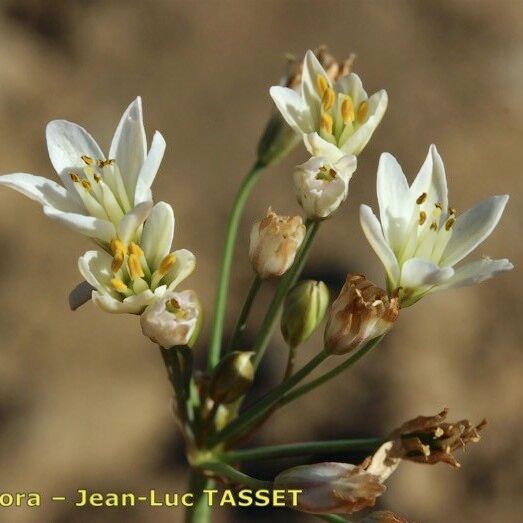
(360, 313)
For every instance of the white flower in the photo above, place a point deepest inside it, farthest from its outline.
(274, 242)
(420, 238)
(172, 320)
(331, 117)
(138, 273)
(321, 186)
(101, 198)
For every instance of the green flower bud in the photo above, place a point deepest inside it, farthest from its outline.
(232, 377)
(303, 310)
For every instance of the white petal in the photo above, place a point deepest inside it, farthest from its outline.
(80, 294)
(473, 227)
(395, 202)
(132, 221)
(476, 272)
(356, 142)
(317, 146)
(421, 273)
(291, 106)
(158, 232)
(353, 86)
(346, 166)
(132, 305)
(149, 169)
(431, 179)
(102, 230)
(129, 145)
(309, 84)
(372, 230)
(41, 190)
(95, 267)
(67, 142)
(184, 266)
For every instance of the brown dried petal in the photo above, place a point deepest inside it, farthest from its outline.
(383, 516)
(430, 439)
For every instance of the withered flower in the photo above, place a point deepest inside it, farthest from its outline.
(383, 516)
(274, 242)
(361, 312)
(425, 439)
(331, 488)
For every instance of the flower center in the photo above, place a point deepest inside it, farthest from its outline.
(131, 272)
(101, 188)
(339, 117)
(326, 174)
(430, 233)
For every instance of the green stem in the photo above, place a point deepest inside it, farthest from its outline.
(258, 410)
(172, 363)
(244, 314)
(300, 449)
(227, 256)
(300, 391)
(226, 471)
(286, 282)
(200, 512)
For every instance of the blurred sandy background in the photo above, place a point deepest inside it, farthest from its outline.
(83, 396)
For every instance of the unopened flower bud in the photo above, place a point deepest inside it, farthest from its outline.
(331, 488)
(274, 243)
(278, 139)
(173, 320)
(232, 377)
(359, 314)
(321, 186)
(303, 310)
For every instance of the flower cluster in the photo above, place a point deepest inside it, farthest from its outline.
(109, 199)
(420, 239)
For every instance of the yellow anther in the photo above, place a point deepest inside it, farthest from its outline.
(322, 84)
(328, 99)
(103, 163)
(74, 177)
(97, 178)
(117, 246)
(119, 285)
(117, 262)
(421, 198)
(87, 159)
(173, 305)
(327, 175)
(347, 110)
(167, 264)
(433, 226)
(134, 248)
(327, 123)
(363, 109)
(438, 206)
(135, 267)
(452, 211)
(449, 223)
(422, 217)
(86, 184)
